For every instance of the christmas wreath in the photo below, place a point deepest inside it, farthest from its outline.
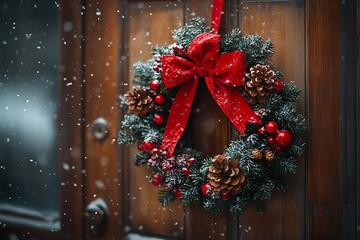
(252, 94)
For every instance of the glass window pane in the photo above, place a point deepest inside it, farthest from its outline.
(29, 57)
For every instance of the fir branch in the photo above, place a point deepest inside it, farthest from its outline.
(125, 138)
(165, 198)
(231, 41)
(141, 157)
(272, 103)
(143, 72)
(291, 92)
(297, 147)
(257, 51)
(151, 135)
(285, 165)
(250, 166)
(265, 190)
(161, 50)
(187, 33)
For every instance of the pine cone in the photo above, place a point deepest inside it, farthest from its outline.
(257, 154)
(225, 175)
(261, 80)
(269, 155)
(139, 102)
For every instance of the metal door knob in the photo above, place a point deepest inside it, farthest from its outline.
(100, 129)
(96, 215)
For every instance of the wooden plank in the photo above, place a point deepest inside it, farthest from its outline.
(323, 148)
(149, 24)
(283, 23)
(70, 119)
(208, 128)
(349, 119)
(101, 93)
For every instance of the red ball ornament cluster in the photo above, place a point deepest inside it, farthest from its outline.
(278, 86)
(147, 146)
(159, 99)
(283, 138)
(159, 118)
(206, 189)
(278, 138)
(155, 85)
(157, 179)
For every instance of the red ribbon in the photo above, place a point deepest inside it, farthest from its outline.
(223, 73)
(216, 14)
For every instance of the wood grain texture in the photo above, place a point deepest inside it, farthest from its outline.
(283, 23)
(349, 120)
(101, 91)
(208, 132)
(71, 127)
(147, 25)
(323, 169)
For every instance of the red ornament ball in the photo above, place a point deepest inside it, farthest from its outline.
(179, 51)
(186, 171)
(159, 99)
(156, 68)
(261, 131)
(278, 86)
(155, 85)
(148, 146)
(225, 196)
(192, 161)
(206, 189)
(140, 147)
(178, 193)
(158, 119)
(283, 138)
(271, 140)
(272, 127)
(156, 180)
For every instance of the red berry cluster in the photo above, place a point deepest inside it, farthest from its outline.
(279, 139)
(166, 166)
(207, 190)
(179, 51)
(159, 100)
(147, 146)
(278, 86)
(157, 66)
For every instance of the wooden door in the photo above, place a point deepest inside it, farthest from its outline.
(105, 196)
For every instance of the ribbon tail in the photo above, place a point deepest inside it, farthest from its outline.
(216, 14)
(233, 104)
(179, 115)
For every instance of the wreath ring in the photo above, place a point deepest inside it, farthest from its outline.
(251, 92)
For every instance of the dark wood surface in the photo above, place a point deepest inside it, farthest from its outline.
(284, 24)
(323, 145)
(101, 54)
(350, 110)
(71, 126)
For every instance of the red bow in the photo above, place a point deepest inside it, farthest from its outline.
(222, 73)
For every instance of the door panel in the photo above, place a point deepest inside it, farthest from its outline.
(101, 166)
(283, 23)
(148, 24)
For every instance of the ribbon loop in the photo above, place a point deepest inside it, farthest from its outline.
(222, 73)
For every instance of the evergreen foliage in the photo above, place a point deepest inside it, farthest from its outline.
(262, 177)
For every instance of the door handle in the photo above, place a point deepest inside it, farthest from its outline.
(100, 129)
(96, 216)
